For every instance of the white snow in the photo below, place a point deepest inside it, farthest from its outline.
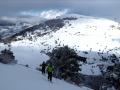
(85, 34)
(90, 69)
(15, 77)
(31, 56)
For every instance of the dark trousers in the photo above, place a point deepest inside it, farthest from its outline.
(43, 70)
(50, 76)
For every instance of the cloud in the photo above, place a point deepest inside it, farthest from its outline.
(53, 13)
(92, 7)
(47, 14)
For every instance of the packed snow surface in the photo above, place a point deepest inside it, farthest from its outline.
(17, 77)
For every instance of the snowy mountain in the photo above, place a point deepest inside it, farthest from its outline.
(11, 27)
(91, 37)
(97, 36)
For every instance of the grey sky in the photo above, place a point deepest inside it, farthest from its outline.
(87, 7)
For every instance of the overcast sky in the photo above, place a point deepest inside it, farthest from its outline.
(85, 7)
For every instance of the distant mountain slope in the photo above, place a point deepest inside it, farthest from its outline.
(94, 38)
(44, 27)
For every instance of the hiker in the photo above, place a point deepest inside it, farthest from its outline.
(43, 67)
(50, 70)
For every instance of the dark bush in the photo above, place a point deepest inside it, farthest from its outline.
(66, 63)
(7, 56)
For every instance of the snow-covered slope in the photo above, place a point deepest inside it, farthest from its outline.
(83, 34)
(96, 36)
(15, 77)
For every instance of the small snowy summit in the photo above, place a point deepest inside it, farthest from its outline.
(32, 38)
